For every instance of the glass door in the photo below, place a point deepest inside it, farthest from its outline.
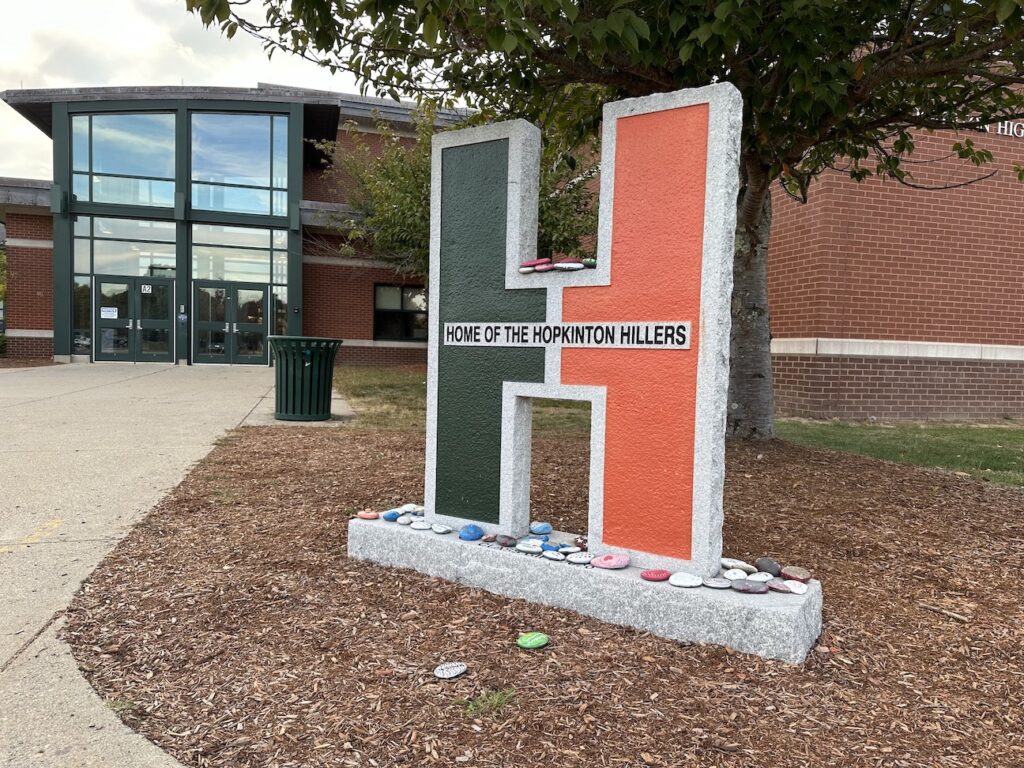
(154, 320)
(230, 323)
(249, 324)
(134, 319)
(211, 328)
(114, 320)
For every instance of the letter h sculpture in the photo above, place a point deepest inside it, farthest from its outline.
(669, 183)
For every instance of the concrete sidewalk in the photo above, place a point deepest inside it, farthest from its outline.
(85, 452)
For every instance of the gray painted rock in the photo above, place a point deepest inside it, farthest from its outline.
(730, 563)
(529, 547)
(717, 582)
(420, 525)
(404, 520)
(750, 587)
(684, 579)
(735, 574)
(439, 528)
(768, 565)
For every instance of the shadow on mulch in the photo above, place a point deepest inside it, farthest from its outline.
(233, 631)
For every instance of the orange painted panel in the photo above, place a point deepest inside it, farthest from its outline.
(657, 247)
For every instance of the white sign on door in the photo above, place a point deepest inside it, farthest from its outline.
(147, 288)
(108, 313)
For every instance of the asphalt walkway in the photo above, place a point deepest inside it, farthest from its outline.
(85, 452)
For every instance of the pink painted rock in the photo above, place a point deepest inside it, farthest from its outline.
(367, 514)
(611, 562)
(796, 573)
(655, 574)
(489, 537)
(544, 268)
(535, 263)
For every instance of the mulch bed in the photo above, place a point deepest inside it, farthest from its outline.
(231, 629)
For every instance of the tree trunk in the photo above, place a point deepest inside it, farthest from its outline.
(751, 402)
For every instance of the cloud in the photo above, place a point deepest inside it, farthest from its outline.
(92, 43)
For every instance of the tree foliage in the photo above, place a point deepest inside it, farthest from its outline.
(389, 203)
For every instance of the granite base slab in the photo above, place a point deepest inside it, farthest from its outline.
(774, 625)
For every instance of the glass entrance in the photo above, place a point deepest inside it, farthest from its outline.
(230, 323)
(134, 319)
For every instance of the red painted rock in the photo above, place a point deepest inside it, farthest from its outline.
(778, 585)
(581, 542)
(535, 263)
(507, 541)
(611, 562)
(655, 574)
(544, 268)
(367, 514)
(750, 587)
(796, 573)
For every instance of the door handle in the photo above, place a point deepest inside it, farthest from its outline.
(227, 327)
(235, 329)
(131, 325)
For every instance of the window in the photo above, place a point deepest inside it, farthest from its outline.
(134, 247)
(243, 254)
(399, 313)
(240, 163)
(125, 159)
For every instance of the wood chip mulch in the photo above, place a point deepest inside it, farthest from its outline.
(230, 628)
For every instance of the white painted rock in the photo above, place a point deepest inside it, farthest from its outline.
(420, 525)
(449, 669)
(734, 574)
(569, 550)
(525, 270)
(796, 587)
(729, 563)
(529, 547)
(717, 582)
(409, 507)
(569, 266)
(404, 520)
(684, 579)
(551, 555)
(580, 558)
(438, 528)
(760, 576)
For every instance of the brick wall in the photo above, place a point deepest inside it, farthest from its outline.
(335, 185)
(29, 304)
(891, 389)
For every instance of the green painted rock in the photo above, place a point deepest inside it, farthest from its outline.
(531, 641)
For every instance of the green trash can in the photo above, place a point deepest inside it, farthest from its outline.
(304, 380)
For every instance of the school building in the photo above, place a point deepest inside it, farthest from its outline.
(186, 224)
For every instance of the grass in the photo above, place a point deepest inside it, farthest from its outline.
(396, 399)
(489, 702)
(993, 453)
(121, 706)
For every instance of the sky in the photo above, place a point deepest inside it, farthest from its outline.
(89, 43)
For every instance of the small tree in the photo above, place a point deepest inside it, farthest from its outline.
(389, 203)
(820, 79)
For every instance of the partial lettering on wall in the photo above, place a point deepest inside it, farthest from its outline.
(665, 335)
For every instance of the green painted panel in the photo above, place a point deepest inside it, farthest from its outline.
(471, 282)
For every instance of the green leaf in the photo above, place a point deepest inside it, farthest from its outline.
(430, 30)
(1005, 9)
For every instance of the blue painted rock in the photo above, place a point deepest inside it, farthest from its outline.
(717, 582)
(529, 547)
(590, 263)
(419, 525)
(507, 541)
(750, 587)
(367, 514)
(684, 579)
(525, 270)
(569, 265)
(767, 565)
(580, 558)
(449, 669)
(540, 528)
(611, 562)
(391, 515)
(552, 555)
(655, 574)
(796, 587)
(568, 549)
(796, 573)
(531, 641)
(539, 538)
(760, 576)
(778, 585)
(471, 532)
(404, 519)
(442, 529)
(735, 574)
(535, 262)
(547, 546)
(544, 268)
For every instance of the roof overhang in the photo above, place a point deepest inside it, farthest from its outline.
(29, 195)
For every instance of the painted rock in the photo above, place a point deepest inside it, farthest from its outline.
(717, 582)
(540, 528)
(529, 547)
(547, 546)
(735, 574)
(684, 579)
(611, 562)
(367, 514)
(535, 262)
(655, 574)
(411, 508)
(581, 542)
(760, 576)
(569, 265)
(580, 558)
(543, 268)
(590, 263)
(525, 270)
(506, 541)
(539, 538)
(449, 669)
(404, 519)
(531, 641)
(729, 563)
(471, 532)
(796, 587)
(768, 565)
(750, 587)
(553, 555)
(796, 573)
(391, 515)
(489, 537)
(439, 528)
(420, 524)
(567, 549)
(778, 585)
